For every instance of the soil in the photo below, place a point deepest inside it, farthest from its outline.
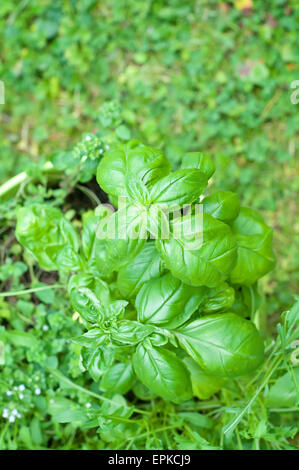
(79, 201)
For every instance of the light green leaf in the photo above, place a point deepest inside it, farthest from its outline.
(223, 205)
(167, 302)
(162, 372)
(199, 160)
(208, 265)
(118, 379)
(284, 393)
(255, 255)
(225, 344)
(145, 266)
(179, 187)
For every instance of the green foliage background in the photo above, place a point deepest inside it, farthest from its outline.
(192, 75)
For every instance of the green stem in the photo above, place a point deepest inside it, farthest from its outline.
(60, 376)
(29, 291)
(11, 185)
(232, 425)
(166, 428)
(92, 196)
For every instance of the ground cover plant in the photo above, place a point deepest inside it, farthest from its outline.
(218, 82)
(64, 64)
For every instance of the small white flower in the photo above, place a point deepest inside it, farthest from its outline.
(21, 396)
(107, 147)
(45, 327)
(51, 401)
(15, 388)
(14, 412)
(88, 405)
(101, 151)
(11, 419)
(22, 387)
(88, 137)
(5, 413)
(37, 391)
(19, 415)
(8, 393)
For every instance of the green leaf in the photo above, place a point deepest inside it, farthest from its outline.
(223, 205)
(49, 236)
(225, 344)
(292, 316)
(284, 393)
(2, 353)
(88, 296)
(255, 255)
(162, 372)
(204, 385)
(120, 237)
(167, 302)
(199, 160)
(146, 163)
(145, 266)
(36, 431)
(118, 379)
(123, 132)
(131, 332)
(45, 296)
(21, 338)
(219, 298)
(92, 247)
(96, 285)
(208, 265)
(94, 337)
(98, 360)
(63, 410)
(179, 187)
(198, 420)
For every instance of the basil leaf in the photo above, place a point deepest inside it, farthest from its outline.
(49, 236)
(118, 379)
(162, 372)
(120, 237)
(167, 302)
(219, 298)
(204, 385)
(88, 296)
(66, 258)
(90, 339)
(146, 163)
(208, 265)
(199, 160)
(179, 187)
(145, 266)
(131, 332)
(255, 255)
(90, 222)
(225, 344)
(223, 205)
(98, 360)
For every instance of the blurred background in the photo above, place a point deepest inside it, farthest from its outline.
(180, 75)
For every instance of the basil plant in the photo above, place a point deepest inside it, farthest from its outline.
(164, 278)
